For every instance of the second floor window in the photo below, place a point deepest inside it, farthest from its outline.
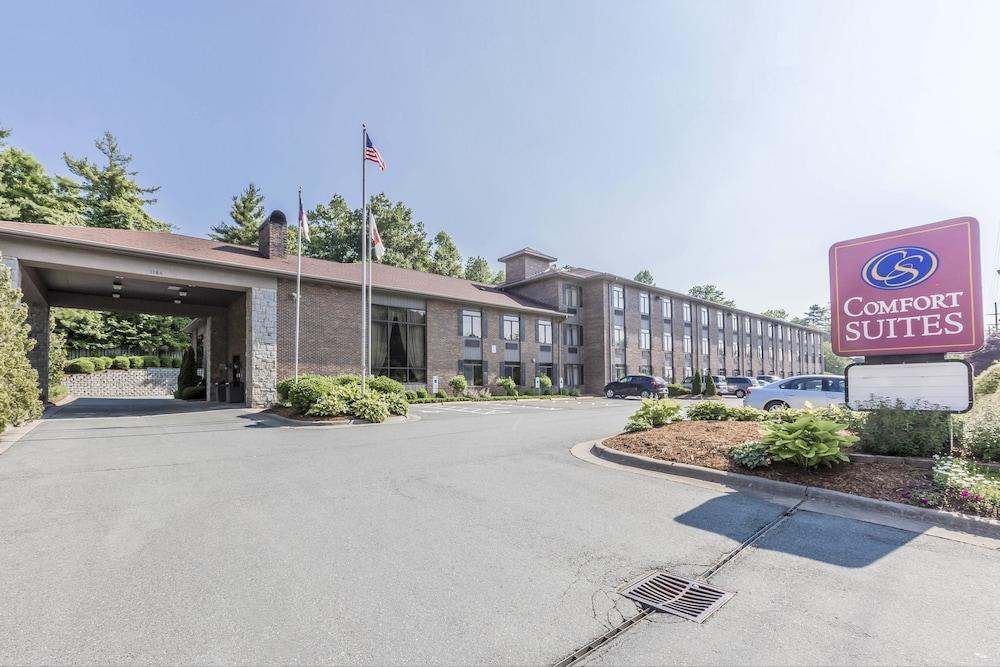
(511, 327)
(687, 312)
(572, 296)
(720, 320)
(618, 297)
(618, 335)
(703, 316)
(545, 332)
(644, 342)
(644, 303)
(668, 342)
(472, 323)
(687, 344)
(668, 309)
(574, 334)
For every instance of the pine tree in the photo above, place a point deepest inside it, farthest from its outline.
(478, 269)
(446, 261)
(247, 214)
(696, 384)
(111, 196)
(29, 194)
(710, 386)
(19, 401)
(645, 276)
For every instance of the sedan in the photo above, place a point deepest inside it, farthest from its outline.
(816, 391)
(644, 386)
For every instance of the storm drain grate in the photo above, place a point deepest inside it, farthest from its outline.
(693, 600)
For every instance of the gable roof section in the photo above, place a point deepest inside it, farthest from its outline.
(166, 245)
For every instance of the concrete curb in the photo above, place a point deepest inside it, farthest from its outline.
(950, 520)
(9, 437)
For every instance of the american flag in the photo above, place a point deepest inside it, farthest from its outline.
(372, 154)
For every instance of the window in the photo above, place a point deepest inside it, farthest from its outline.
(572, 294)
(804, 384)
(545, 332)
(720, 320)
(618, 335)
(668, 309)
(721, 347)
(511, 369)
(687, 344)
(618, 297)
(574, 375)
(644, 342)
(574, 334)
(472, 323)
(399, 343)
(619, 372)
(734, 322)
(770, 330)
(833, 384)
(511, 327)
(645, 370)
(758, 327)
(688, 372)
(703, 316)
(668, 341)
(644, 303)
(704, 345)
(668, 373)
(687, 312)
(746, 325)
(473, 372)
(546, 370)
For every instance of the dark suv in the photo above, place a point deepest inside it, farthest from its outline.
(645, 386)
(739, 384)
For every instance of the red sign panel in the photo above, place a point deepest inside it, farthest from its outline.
(912, 291)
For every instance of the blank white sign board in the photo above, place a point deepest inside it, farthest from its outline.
(947, 384)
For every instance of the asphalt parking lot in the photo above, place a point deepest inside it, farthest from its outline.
(146, 532)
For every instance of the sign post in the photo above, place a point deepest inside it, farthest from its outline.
(906, 298)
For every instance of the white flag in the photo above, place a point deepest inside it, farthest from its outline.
(303, 220)
(376, 238)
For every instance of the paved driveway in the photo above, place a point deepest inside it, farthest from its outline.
(166, 535)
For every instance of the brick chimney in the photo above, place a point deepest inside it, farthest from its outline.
(274, 236)
(525, 263)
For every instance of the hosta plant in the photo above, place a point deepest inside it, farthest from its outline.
(750, 455)
(808, 441)
(653, 413)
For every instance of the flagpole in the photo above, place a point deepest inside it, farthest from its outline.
(298, 289)
(371, 281)
(364, 263)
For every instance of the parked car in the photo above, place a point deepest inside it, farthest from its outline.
(645, 386)
(719, 380)
(738, 384)
(768, 379)
(795, 392)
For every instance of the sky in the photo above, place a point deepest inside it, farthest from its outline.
(709, 142)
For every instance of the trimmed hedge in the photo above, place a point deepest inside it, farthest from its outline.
(150, 361)
(121, 363)
(81, 365)
(136, 362)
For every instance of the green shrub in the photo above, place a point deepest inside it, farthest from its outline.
(57, 359)
(136, 362)
(638, 423)
(710, 386)
(440, 393)
(188, 374)
(458, 385)
(19, 391)
(544, 382)
(564, 391)
(57, 391)
(894, 430)
(708, 411)
(347, 380)
(102, 363)
(573, 391)
(166, 362)
(530, 391)
(151, 361)
(653, 413)
(808, 442)
(750, 455)
(121, 363)
(386, 385)
(981, 429)
(396, 404)
(422, 393)
(192, 393)
(176, 362)
(696, 383)
(743, 413)
(677, 390)
(285, 389)
(988, 381)
(310, 389)
(81, 365)
(411, 395)
(547, 391)
(330, 405)
(372, 408)
(507, 384)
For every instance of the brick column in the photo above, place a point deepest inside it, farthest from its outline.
(262, 347)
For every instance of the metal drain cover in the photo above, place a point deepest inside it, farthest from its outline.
(693, 600)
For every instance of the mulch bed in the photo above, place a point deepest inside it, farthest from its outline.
(707, 444)
(289, 413)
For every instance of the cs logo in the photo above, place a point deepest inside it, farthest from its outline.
(900, 267)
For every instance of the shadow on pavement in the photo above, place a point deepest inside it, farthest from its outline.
(819, 537)
(100, 408)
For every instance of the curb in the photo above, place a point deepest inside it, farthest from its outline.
(951, 520)
(394, 419)
(10, 437)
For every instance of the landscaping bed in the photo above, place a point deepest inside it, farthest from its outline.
(290, 413)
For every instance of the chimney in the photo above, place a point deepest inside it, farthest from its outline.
(525, 263)
(274, 236)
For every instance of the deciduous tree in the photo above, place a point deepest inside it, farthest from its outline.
(645, 276)
(478, 270)
(711, 293)
(776, 313)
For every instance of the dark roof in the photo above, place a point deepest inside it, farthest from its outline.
(167, 245)
(527, 251)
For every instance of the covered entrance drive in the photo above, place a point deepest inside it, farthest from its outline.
(234, 311)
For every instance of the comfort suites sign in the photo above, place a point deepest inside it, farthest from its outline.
(912, 291)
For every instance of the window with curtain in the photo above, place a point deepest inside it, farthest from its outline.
(399, 343)
(472, 323)
(545, 332)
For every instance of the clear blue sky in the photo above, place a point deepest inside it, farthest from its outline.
(725, 142)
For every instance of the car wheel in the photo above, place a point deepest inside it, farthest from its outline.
(775, 405)
(646, 394)
(740, 393)
(609, 393)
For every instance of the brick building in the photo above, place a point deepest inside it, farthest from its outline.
(581, 327)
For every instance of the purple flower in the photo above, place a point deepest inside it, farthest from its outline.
(964, 493)
(977, 498)
(904, 494)
(923, 501)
